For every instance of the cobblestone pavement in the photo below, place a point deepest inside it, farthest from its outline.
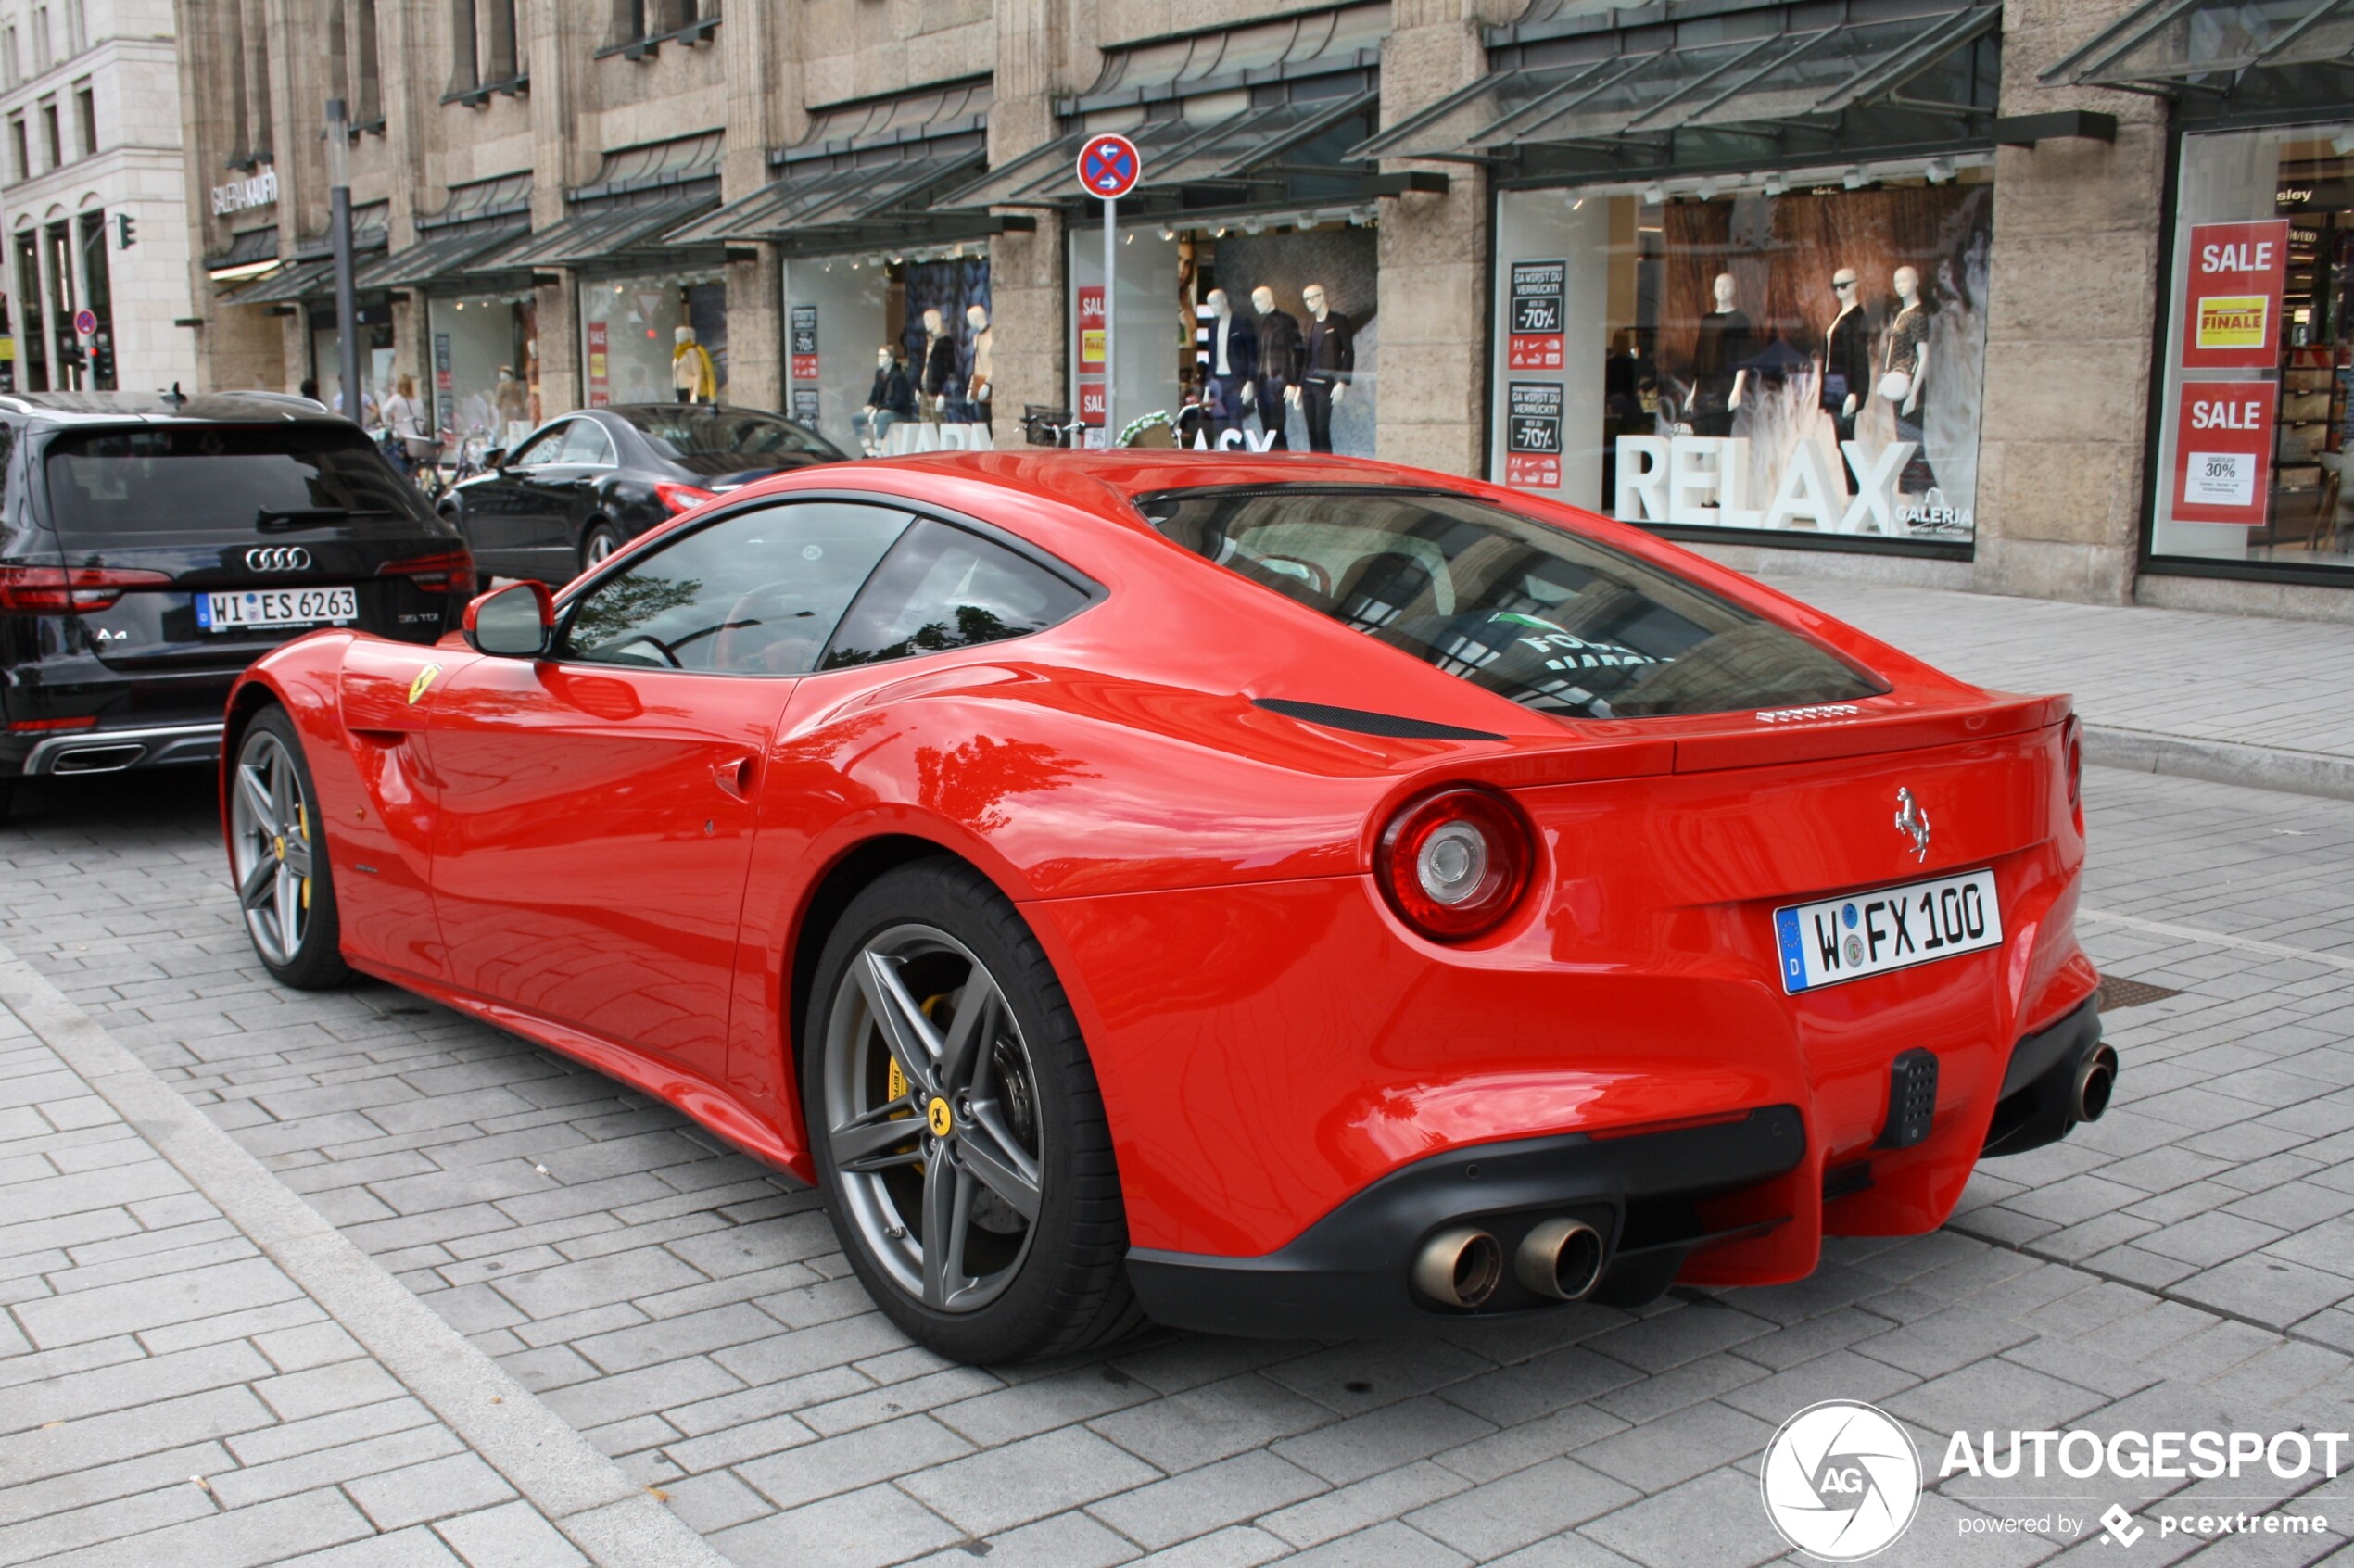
(2187, 1262)
(2239, 679)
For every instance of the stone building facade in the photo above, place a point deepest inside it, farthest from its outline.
(1589, 252)
(95, 199)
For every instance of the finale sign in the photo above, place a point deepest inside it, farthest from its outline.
(2231, 310)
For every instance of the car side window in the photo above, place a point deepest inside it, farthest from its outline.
(587, 443)
(756, 592)
(945, 587)
(546, 447)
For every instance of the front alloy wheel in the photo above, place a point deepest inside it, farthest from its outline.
(278, 858)
(956, 1124)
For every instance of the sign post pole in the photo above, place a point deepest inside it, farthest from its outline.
(1109, 167)
(1111, 380)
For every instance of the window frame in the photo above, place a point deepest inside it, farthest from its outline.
(646, 545)
(554, 427)
(613, 451)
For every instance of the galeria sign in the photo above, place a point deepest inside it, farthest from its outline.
(1704, 480)
(2223, 451)
(2232, 316)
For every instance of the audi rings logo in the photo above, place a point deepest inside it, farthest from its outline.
(278, 558)
(1841, 1481)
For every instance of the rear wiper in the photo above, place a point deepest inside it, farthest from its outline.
(274, 518)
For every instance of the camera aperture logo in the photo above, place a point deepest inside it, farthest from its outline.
(1842, 1480)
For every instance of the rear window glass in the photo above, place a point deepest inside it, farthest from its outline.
(177, 479)
(1554, 622)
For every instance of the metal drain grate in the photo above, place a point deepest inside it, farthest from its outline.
(2116, 994)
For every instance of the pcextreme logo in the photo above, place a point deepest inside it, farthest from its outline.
(1842, 1481)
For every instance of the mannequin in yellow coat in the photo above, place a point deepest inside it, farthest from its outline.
(690, 370)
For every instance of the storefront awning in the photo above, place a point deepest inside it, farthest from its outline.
(249, 253)
(2210, 48)
(439, 256)
(299, 280)
(1314, 45)
(820, 205)
(1573, 92)
(639, 194)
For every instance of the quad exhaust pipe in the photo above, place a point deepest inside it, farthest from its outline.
(1561, 1259)
(2095, 1080)
(1462, 1266)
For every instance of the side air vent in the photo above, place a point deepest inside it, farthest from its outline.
(1365, 723)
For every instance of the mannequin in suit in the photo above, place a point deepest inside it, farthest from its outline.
(1331, 360)
(936, 377)
(1279, 363)
(1232, 371)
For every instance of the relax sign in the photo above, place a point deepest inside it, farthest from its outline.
(1704, 480)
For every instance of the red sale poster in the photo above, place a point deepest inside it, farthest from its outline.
(2223, 451)
(2232, 311)
(1091, 401)
(1091, 329)
(599, 386)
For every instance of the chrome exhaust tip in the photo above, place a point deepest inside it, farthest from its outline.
(98, 759)
(1460, 1266)
(2095, 1080)
(1561, 1259)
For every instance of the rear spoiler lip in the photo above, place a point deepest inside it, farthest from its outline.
(1584, 760)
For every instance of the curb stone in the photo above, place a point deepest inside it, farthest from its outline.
(2220, 762)
(615, 1522)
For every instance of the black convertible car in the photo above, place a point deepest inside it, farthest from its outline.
(584, 484)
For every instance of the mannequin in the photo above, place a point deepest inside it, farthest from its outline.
(1903, 374)
(891, 398)
(1229, 386)
(1847, 354)
(1331, 360)
(692, 376)
(1718, 378)
(983, 370)
(1280, 351)
(936, 377)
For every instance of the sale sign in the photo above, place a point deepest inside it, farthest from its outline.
(2232, 311)
(1091, 328)
(1090, 402)
(1533, 437)
(1537, 290)
(804, 343)
(600, 393)
(2223, 451)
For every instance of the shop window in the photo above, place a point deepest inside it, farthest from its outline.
(85, 114)
(843, 314)
(2254, 414)
(32, 342)
(632, 347)
(1804, 362)
(483, 367)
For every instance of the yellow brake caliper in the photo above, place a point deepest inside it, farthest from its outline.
(302, 826)
(895, 1081)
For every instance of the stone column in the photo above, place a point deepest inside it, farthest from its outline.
(1030, 316)
(2075, 287)
(564, 35)
(764, 110)
(1433, 258)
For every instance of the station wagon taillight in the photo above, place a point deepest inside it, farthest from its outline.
(449, 572)
(68, 590)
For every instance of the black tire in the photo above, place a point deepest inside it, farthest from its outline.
(600, 542)
(1067, 1288)
(310, 957)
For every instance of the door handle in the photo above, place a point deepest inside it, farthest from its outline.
(734, 775)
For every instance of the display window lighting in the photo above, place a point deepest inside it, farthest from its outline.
(1577, 204)
(1854, 178)
(1776, 184)
(2343, 143)
(1937, 170)
(1655, 194)
(1166, 232)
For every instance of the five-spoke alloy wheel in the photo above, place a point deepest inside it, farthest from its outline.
(958, 1133)
(278, 855)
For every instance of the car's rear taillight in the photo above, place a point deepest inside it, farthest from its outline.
(449, 572)
(676, 498)
(25, 727)
(1453, 864)
(68, 590)
(2072, 742)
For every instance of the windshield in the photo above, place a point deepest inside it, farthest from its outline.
(743, 438)
(155, 479)
(1557, 623)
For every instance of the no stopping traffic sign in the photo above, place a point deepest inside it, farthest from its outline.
(1110, 167)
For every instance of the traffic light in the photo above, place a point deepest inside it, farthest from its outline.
(126, 230)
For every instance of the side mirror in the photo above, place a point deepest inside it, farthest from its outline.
(514, 622)
(495, 459)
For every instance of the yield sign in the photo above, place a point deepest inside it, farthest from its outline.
(1110, 167)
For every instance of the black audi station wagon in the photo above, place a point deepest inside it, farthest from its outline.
(153, 545)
